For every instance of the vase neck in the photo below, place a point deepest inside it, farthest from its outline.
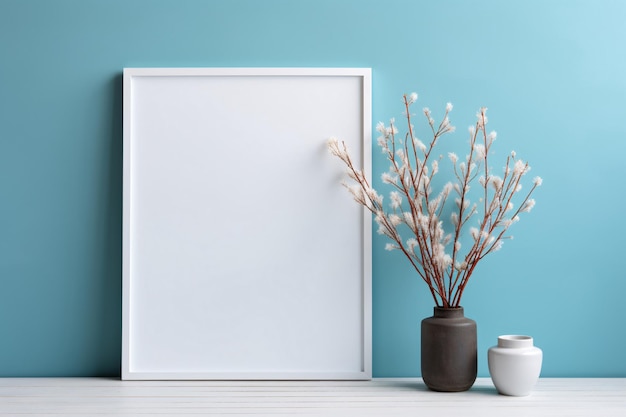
(448, 312)
(515, 341)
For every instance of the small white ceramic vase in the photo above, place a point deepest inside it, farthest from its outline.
(514, 365)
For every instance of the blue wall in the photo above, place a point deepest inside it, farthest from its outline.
(553, 74)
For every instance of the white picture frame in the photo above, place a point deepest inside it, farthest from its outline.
(243, 256)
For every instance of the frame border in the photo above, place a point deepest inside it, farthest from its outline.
(129, 75)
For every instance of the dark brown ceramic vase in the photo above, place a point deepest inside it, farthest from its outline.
(449, 350)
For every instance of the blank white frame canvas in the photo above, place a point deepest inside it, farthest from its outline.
(243, 256)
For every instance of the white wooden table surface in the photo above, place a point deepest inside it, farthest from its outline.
(379, 397)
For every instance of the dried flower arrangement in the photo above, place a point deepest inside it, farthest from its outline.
(414, 209)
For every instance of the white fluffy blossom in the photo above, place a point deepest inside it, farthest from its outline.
(374, 196)
(392, 130)
(394, 219)
(423, 220)
(520, 168)
(435, 167)
(528, 206)
(408, 219)
(482, 118)
(419, 144)
(401, 155)
(447, 189)
(496, 182)
(357, 192)
(433, 205)
(445, 260)
(396, 199)
(505, 223)
(335, 149)
(479, 148)
(387, 178)
(461, 266)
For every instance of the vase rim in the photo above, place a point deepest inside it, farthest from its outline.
(515, 340)
(516, 336)
(450, 312)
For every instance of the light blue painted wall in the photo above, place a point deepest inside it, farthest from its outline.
(553, 74)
